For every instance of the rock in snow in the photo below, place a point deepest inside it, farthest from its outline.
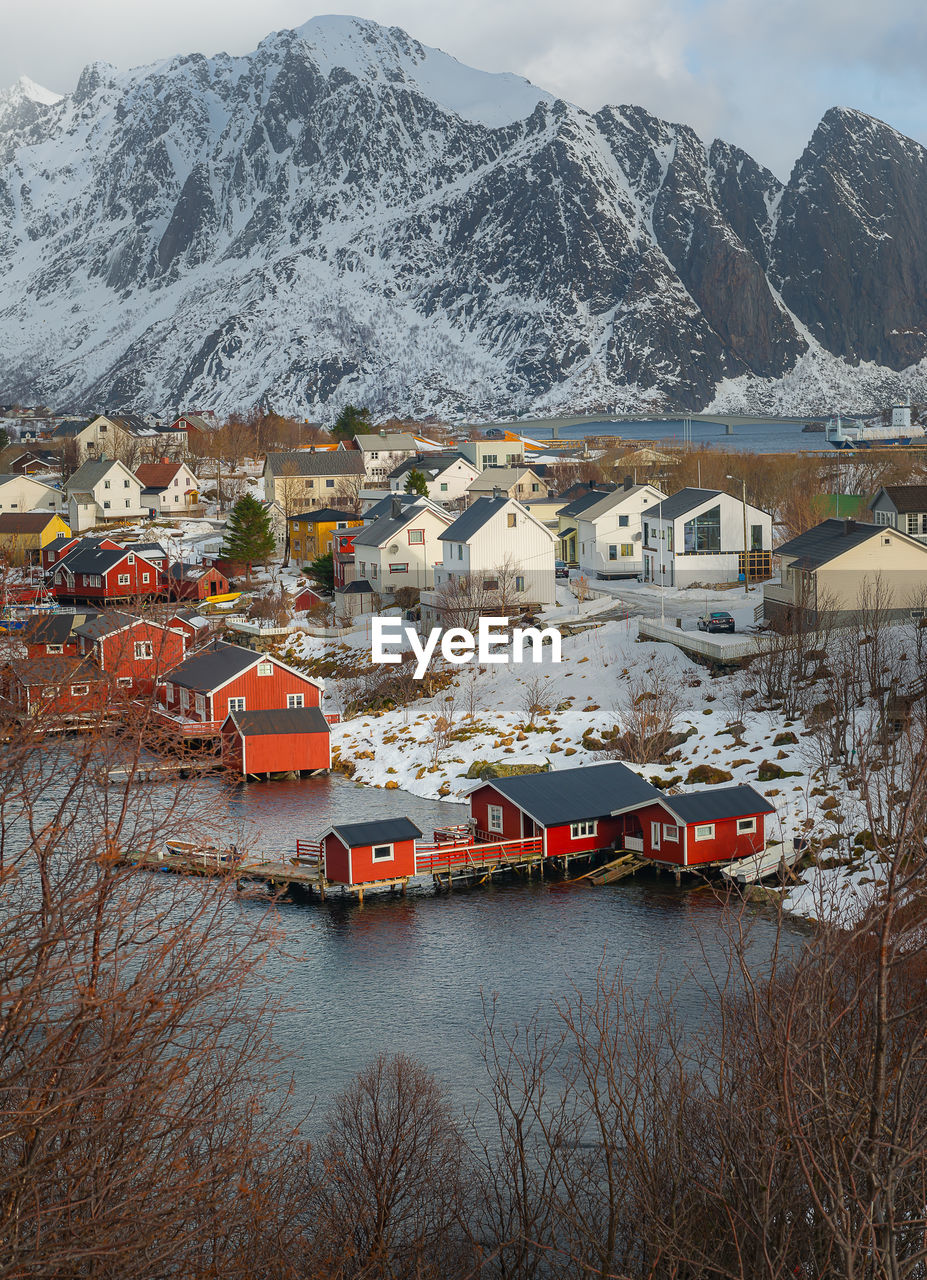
(345, 214)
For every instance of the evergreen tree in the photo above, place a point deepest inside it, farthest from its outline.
(323, 570)
(351, 421)
(248, 535)
(417, 482)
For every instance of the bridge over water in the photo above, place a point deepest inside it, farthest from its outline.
(727, 420)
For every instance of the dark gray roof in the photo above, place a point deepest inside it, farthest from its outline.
(718, 803)
(904, 497)
(390, 526)
(386, 831)
(105, 623)
(213, 666)
(390, 442)
(573, 795)
(325, 462)
(290, 721)
(385, 505)
(430, 464)
(472, 520)
(147, 549)
(565, 533)
(91, 473)
(325, 515)
(54, 628)
(677, 504)
(360, 587)
(827, 540)
(90, 560)
(72, 426)
(588, 499)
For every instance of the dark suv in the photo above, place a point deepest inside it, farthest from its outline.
(716, 622)
(561, 569)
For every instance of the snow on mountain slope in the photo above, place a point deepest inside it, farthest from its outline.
(345, 214)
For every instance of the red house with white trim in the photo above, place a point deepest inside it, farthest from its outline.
(702, 827)
(366, 852)
(105, 575)
(198, 696)
(294, 740)
(73, 690)
(135, 652)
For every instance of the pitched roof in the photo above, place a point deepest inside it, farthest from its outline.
(905, 497)
(92, 559)
(496, 478)
(72, 426)
(385, 505)
(302, 462)
(583, 501)
(388, 526)
(472, 520)
(718, 803)
(157, 475)
(829, 539)
(574, 795)
(293, 720)
(359, 587)
(105, 624)
(430, 465)
(54, 628)
(384, 831)
(57, 670)
(213, 666)
(26, 521)
(609, 501)
(325, 515)
(89, 474)
(391, 443)
(677, 504)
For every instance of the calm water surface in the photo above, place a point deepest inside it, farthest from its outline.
(757, 437)
(410, 974)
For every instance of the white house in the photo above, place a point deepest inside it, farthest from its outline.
(496, 539)
(447, 476)
(493, 453)
(125, 435)
(400, 549)
(515, 482)
(698, 535)
(168, 488)
(102, 491)
(382, 453)
(609, 533)
(24, 493)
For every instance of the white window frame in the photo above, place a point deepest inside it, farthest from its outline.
(671, 832)
(200, 704)
(144, 651)
(416, 537)
(236, 704)
(655, 833)
(265, 669)
(746, 826)
(54, 648)
(80, 690)
(124, 580)
(376, 854)
(495, 818)
(169, 692)
(124, 682)
(184, 699)
(704, 831)
(295, 700)
(579, 830)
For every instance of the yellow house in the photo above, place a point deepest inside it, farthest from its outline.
(311, 532)
(23, 534)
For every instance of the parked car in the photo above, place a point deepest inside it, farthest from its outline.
(716, 622)
(561, 569)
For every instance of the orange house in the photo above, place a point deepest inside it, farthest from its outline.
(365, 852)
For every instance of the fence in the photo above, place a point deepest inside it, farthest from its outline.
(435, 858)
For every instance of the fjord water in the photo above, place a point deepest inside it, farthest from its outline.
(411, 974)
(751, 437)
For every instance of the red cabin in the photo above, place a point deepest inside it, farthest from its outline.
(103, 575)
(52, 636)
(343, 555)
(194, 626)
(571, 809)
(59, 547)
(702, 827)
(296, 740)
(70, 689)
(307, 600)
(196, 581)
(359, 853)
(135, 652)
(199, 695)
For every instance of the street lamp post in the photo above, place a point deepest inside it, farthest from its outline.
(746, 568)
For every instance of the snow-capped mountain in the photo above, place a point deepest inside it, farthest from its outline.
(347, 215)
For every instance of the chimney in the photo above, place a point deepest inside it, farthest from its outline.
(396, 507)
(849, 526)
(497, 492)
(629, 482)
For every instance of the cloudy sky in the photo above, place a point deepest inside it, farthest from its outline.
(759, 73)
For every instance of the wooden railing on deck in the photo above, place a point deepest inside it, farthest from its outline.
(448, 857)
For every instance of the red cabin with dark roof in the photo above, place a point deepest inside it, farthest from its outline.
(196, 581)
(357, 853)
(67, 689)
(296, 740)
(704, 826)
(135, 652)
(98, 574)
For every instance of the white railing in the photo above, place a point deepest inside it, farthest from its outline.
(634, 843)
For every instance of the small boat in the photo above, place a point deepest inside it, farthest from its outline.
(760, 866)
(208, 855)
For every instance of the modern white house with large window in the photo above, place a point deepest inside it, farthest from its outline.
(400, 549)
(609, 534)
(706, 536)
(902, 507)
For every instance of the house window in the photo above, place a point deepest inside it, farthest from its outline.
(131, 558)
(236, 704)
(200, 706)
(460, 551)
(50, 692)
(382, 853)
(579, 829)
(106, 484)
(146, 577)
(123, 579)
(490, 584)
(746, 826)
(265, 669)
(613, 551)
(535, 488)
(627, 548)
(705, 832)
(490, 459)
(124, 682)
(519, 582)
(443, 488)
(623, 522)
(79, 690)
(670, 832)
(128, 504)
(886, 542)
(702, 534)
(399, 568)
(54, 648)
(511, 520)
(169, 692)
(106, 505)
(373, 572)
(143, 650)
(416, 537)
(294, 700)
(756, 537)
(884, 517)
(185, 699)
(494, 817)
(329, 484)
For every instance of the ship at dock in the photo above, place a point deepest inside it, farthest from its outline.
(872, 433)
